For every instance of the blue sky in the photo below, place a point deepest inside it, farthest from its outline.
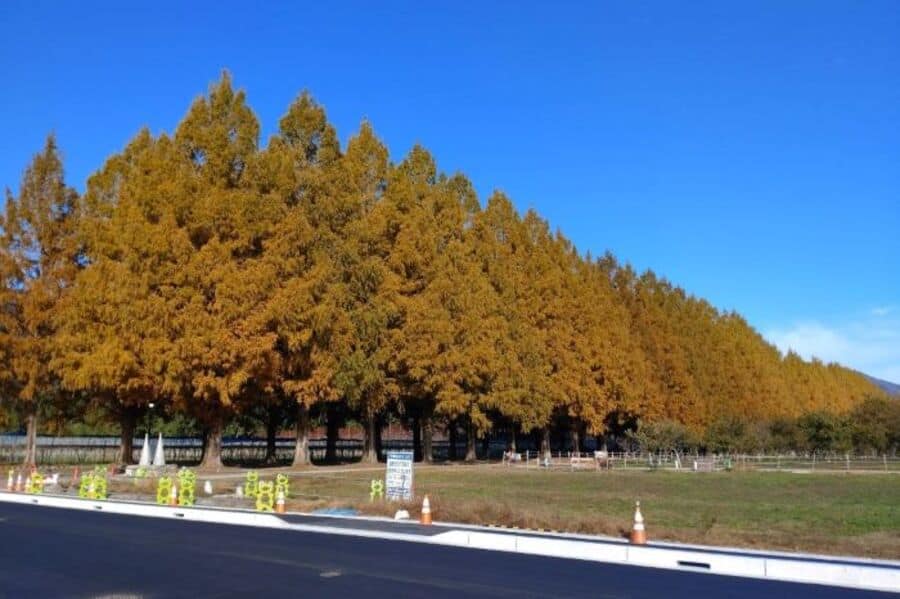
(748, 151)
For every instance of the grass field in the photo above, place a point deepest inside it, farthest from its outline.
(855, 514)
(834, 513)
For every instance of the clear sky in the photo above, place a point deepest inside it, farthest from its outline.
(748, 151)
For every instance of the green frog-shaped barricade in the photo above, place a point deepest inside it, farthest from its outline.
(283, 485)
(376, 489)
(251, 487)
(93, 485)
(187, 484)
(265, 496)
(163, 490)
(35, 483)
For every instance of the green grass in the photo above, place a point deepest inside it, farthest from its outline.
(826, 513)
(833, 513)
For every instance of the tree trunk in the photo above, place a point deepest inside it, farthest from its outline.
(369, 454)
(545, 443)
(332, 431)
(212, 446)
(301, 449)
(486, 446)
(271, 433)
(379, 428)
(427, 440)
(31, 436)
(576, 438)
(128, 422)
(451, 439)
(471, 455)
(417, 438)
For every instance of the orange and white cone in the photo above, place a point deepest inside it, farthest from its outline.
(426, 511)
(19, 483)
(279, 502)
(638, 533)
(76, 476)
(173, 496)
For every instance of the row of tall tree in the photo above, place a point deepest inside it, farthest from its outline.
(870, 428)
(216, 276)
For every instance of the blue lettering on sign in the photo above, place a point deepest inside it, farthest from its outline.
(398, 480)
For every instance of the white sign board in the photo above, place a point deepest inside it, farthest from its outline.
(399, 477)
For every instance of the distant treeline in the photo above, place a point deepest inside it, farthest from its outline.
(308, 280)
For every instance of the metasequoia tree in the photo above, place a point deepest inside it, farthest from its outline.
(115, 329)
(366, 289)
(222, 340)
(40, 261)
(301, 169)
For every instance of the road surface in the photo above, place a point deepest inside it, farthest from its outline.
(52, 552)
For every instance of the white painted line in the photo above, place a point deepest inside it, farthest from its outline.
(862, 574)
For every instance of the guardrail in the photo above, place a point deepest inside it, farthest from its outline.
(713, 463)
(104, 450)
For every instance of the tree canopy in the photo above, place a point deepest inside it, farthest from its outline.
(215, 275)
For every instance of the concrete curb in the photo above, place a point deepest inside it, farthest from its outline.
(879, 575)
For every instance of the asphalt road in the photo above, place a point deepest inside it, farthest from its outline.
(51, 552)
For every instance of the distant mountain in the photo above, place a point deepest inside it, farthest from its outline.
(891, 388)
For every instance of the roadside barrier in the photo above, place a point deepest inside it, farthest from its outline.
(283, 485)
(187, 481)
(376, 489)
(10, 481)
(265, 496)
(251, 488)
(426, 511)
(638, 534)
(93, 485)
(35, 484)
(163, 490)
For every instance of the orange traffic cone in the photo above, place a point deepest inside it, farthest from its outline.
(19, 483)
(279, 502)
(173, 497)
(426, 511)
(76, 477)
(638, 534)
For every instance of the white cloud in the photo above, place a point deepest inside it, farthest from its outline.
(882, 310)
(870, 345)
